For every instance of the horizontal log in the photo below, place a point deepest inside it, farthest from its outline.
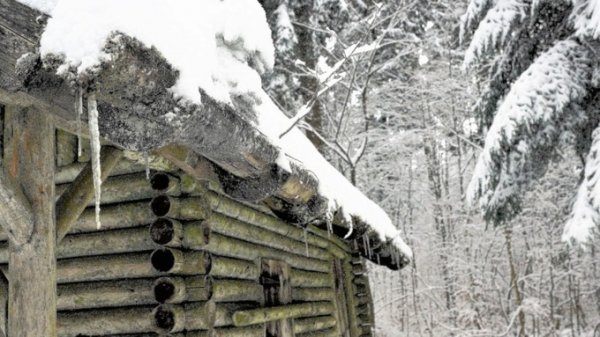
(98, 243)
(263, 315)
(224, 245)
(234, 228)
(105, 322)
(198, 235)
(313, 294)
(302, 325)
(68, 173)
(321, 333)
(306, 279)
(192, 208)
(225, 267)
(181, 289)
(250, 331)
(172, 233)
(224, 312)
(241, 212)
(179, 317)
(167, 260)
(106, 242)
(109, 267)
(114, 217)
(124, 188)
(105, 294)
(237, 290)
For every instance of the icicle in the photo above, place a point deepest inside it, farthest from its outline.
(95, 149)
(367, 246)
(306, 240)
(79, 108)
(378, 259)
(329, 229)
(147, 163)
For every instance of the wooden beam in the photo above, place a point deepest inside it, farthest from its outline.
(16, 215)
(74, 201)
(29, 161)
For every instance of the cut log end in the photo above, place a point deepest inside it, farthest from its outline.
(162, 231)
(164, 290)
(163, 260)
(160, 205)
(160, 182)
(164, 319)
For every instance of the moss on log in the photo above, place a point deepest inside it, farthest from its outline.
(237, 290)
(110, 267)
(225, 267)
(98, 243)
(321, 333)
(235, 210)
(313, 294)
(104, 322)
(302, 325)
(182, 289)
(263, 315)
(224, 245)
(306, 279)
(105, 294)
(112, 217)
(123, 188)
(250, 331)
(234, 228)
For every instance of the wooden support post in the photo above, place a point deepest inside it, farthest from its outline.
(29, 163)
(73, 202)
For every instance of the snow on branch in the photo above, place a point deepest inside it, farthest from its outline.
(494, 29)
(541, 104)
(585, 214)
(586, 17)
(476, 10)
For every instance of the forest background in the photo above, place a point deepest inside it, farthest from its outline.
(383, 94)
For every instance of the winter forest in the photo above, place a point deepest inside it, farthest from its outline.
(472, 123)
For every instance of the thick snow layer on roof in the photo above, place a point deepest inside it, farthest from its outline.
(192, 35)
(220, 46)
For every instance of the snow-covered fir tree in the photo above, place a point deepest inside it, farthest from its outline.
(540, 91)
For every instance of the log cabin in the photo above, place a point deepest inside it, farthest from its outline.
(201, 231)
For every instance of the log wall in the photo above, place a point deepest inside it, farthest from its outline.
(175, 257)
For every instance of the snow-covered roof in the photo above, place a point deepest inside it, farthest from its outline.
(219, 49)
